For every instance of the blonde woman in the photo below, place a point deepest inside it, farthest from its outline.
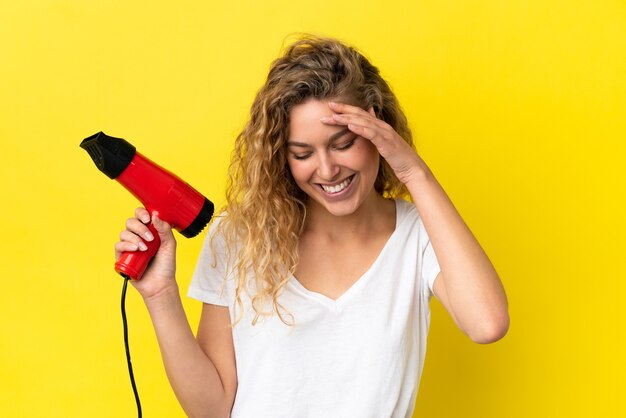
(316, 278)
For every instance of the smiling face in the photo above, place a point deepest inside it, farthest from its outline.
(333, 166)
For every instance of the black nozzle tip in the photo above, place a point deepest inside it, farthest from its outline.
(203, 218)
(111, 155)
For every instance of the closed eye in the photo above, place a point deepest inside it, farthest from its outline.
(345, 145)
(301, 156)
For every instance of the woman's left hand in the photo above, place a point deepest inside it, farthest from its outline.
(403, 159)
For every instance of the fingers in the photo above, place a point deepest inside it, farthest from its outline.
(363, 124)
(132, 238)
(138, 227)
(339, 107)
(142, 214)
(161, 226)
(129, 244)
(354, 117)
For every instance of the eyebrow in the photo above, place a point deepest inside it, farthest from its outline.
(331, 138)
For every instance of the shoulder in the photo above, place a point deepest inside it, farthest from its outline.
(405, 210)
(218, 241)
(403, 204)
(408, 220)
(221, 230)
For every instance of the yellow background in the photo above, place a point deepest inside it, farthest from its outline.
(519, 107)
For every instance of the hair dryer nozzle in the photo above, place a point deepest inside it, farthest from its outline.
(111, 155)
(201, 220)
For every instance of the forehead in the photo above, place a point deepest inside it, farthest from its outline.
(304, 120)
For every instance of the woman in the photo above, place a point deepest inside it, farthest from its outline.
(316, 279)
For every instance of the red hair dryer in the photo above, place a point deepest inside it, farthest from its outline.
(159, 190)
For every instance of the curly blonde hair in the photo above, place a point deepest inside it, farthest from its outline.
(265, 209)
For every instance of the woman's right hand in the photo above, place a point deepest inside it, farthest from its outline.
(160, 275)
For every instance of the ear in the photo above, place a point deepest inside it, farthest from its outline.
(371, 111)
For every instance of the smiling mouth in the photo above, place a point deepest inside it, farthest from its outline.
(337, 188)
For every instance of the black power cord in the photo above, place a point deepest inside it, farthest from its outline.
(130, 364)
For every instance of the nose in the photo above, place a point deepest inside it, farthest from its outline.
(328, 169)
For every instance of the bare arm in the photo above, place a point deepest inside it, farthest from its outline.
(468, 285)
(193, 374)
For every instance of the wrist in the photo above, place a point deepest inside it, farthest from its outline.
(162, 297)
(417, 174)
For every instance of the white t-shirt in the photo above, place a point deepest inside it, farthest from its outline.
(358, 356)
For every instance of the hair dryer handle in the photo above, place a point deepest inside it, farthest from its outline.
(134, 263)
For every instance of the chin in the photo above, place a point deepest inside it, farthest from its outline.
(341, 210)
(343, 207)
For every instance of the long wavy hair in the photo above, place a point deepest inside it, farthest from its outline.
(265, 209)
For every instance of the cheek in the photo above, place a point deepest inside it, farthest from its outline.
(298, 170)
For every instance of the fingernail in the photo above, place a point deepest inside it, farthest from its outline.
(326, 118)
(145, 219)
(143, 246)
(148, 235)
(332, 103)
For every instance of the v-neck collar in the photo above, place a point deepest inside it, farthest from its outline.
(343, 299)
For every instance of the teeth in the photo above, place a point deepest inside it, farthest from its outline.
(337, 188)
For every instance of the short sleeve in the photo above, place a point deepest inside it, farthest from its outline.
(429, 264)
(209, 277)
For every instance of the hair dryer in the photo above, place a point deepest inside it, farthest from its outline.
(159, 190)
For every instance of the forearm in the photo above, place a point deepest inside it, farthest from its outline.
(192, 375)
(473, 291)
